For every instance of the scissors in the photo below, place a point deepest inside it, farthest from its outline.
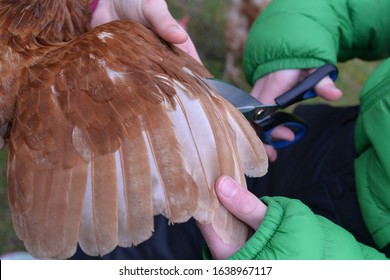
(264, 117)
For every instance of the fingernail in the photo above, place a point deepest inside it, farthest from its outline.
(178, 28)
(228, 187)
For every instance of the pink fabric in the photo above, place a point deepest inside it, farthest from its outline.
(93, 5)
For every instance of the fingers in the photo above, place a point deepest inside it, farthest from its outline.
(103, 12)
(327, 89)
(279, 133)
(267, 88)
(218, 249)
(189, 47)
(271, 152)
(283, 133)
(151, 13)
(156, 13)
(242, 204)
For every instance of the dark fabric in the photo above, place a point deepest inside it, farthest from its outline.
(317, 170)
(386, 251)
(171, 242)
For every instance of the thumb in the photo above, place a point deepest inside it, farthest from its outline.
(327, 89)
(241, 203)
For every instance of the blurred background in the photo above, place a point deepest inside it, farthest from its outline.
(218, 29)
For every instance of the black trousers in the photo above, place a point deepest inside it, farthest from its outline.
(318, 170)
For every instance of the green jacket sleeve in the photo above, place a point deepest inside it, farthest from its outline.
(307, 33)
(290, 230)
(372, 165)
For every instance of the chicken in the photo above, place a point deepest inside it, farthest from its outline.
(107, 128)
(240, 17)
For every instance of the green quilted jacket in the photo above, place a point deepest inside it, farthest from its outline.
(307, 34)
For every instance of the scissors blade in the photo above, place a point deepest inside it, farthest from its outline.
(242, 100)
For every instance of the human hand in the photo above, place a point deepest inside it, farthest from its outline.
(267, 88)
(242, 204)
(151, 13)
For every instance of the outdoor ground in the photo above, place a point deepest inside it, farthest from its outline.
(206, 26)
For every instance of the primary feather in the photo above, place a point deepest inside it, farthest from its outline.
(110, 127)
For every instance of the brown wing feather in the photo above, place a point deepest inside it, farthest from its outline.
(101, 130)
(137, 212)
(78, 179)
